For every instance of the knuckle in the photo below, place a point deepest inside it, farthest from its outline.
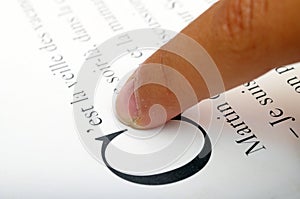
(237, 22)
(238, 16)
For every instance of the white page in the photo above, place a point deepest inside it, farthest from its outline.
(45, 154)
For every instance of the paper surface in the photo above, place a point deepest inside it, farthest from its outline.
(253, 129)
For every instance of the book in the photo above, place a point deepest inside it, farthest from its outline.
(62, 65)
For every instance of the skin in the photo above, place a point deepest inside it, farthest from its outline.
(245, 39)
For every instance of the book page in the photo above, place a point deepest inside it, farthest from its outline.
(63, 63)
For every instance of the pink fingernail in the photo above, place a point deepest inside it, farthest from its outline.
(126, 107)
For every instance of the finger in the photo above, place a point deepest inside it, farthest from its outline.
(245, 38)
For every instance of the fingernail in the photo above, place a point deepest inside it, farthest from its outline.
(126, 107)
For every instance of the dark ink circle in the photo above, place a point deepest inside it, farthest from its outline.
(172, 176)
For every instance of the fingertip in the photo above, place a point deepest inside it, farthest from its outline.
(126, 107)
(136, 107)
